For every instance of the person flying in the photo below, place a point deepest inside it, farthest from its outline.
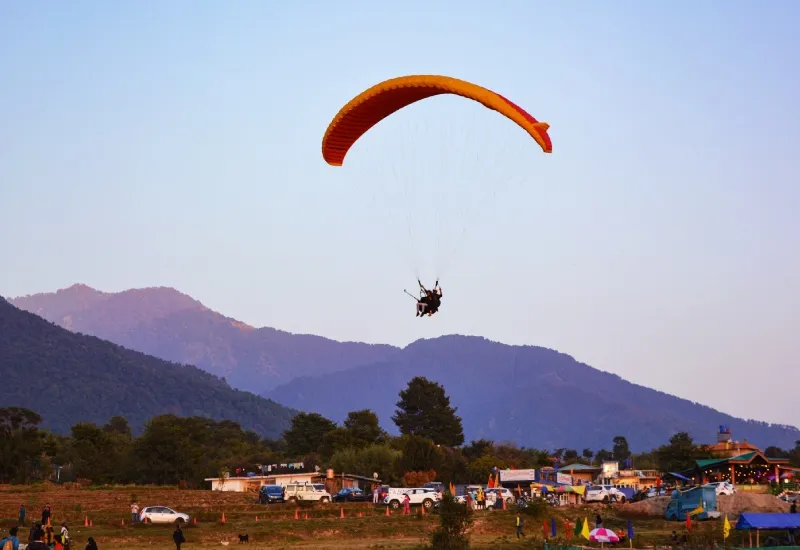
(430, 300)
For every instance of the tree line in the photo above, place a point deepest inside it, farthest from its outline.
(185, 450)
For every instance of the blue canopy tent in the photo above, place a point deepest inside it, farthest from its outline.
(774, 522)
(769, 522)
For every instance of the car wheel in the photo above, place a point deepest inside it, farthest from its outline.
(292, 500)
(622, 500)
(324, 500)
(179, 521)
(605, 500)
(427, 503)
(395, 504)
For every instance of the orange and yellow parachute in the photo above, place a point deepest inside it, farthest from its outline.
(378, 102)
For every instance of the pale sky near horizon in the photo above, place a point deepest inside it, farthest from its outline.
(178, 144)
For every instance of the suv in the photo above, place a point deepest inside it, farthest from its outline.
(270, 493)
(421, 496)
(723, 488)
(604, 494)
(306, 491)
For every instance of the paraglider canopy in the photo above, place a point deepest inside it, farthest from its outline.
(378, 102)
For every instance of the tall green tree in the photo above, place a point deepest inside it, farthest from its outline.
(424, 410)
(621, 450)
(588, 454)
(364, 428)
(98, 453)
(306, 433)
(20, 444)
(419, 454)
(680, 453)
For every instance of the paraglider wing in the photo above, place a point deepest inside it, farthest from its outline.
(378, 102)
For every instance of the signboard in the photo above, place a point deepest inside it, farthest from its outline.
(511, 476)
(564, 479)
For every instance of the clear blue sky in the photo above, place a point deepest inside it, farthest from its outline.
(178, 143)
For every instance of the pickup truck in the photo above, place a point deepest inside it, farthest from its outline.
(422, 496)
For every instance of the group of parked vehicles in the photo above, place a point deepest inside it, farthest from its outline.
(429, 495)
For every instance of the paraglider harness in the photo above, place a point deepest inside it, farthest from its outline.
(429, 300)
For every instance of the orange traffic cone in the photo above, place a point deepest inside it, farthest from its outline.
(223, 517)
(388, 513)
(194, 520)
(422, 508)
(86, 521)
(504, 505)
(306, 517)
(256, 519)
(123, 523)
(341, 514)
(297, 513)
(361, 514)
(91, 523)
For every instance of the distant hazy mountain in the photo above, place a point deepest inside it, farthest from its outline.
(530, 395)
(533, 396)
(168, 324)
(69, 378)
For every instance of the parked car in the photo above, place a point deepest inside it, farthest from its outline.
(604, 493)
(269, 494)
(723, 488)
(162, 514)
(419, 497)
(352, 494)
(306, 491)
(507, 495)
(437, 486)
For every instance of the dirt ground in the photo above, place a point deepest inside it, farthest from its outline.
(733, 505)
(363, 527)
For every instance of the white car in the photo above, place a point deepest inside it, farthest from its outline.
(423, 496)
(508, 496)
(162, 514)
(306, 491)
(604, 493)
(723, 488)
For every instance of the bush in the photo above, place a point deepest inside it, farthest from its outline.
(455, 519)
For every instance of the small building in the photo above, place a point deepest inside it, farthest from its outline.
(254, 483)
(580, 474)
(752, 468)
(333, 483)
(727, 447)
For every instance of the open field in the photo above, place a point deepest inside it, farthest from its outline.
(363, 527)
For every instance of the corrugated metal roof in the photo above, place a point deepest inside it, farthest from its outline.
(577, 467)
(712, 461)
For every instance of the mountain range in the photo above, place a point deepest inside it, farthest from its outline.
(69, 378)
(529, 395)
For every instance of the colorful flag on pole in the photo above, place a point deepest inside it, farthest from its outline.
(726, 528)
(630, 530)
(553, 526)
(585, 531)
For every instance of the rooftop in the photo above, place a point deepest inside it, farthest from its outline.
(578, 467)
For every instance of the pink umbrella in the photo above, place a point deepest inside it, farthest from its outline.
(603, 535)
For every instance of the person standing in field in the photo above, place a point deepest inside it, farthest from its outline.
(178, 537)
(46, 512)
(406, 504)
(134, 512)
(22, 515)
(520, 525)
